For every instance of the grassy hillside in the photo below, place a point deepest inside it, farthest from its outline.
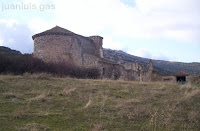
(40, 102)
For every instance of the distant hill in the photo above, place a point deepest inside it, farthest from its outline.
(160, 66)
(7, 51)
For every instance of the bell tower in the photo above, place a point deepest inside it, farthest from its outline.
(98, 40)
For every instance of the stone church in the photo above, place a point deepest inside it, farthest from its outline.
(59, 44)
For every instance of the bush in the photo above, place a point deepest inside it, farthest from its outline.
(19, 65)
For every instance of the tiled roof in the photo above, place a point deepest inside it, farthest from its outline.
(56, 30)
(181, 74)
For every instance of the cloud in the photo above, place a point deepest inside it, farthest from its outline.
(159, 57)
(16, 36)
(39, 25)
(177, 20)
(8, 23)
(143, 53)
(109, 43)
(145, 19)
(1, 41)
(130, 3)
(148, 54)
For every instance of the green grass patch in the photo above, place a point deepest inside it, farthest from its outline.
(34, 103)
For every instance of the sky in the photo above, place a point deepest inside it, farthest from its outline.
(156, 29)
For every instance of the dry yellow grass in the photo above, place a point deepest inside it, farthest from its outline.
(41, 97)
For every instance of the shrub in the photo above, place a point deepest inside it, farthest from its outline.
(19, 65)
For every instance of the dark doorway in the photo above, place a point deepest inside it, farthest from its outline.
(181, 79)
(103, 71)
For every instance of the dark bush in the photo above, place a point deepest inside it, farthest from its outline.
(19, 65)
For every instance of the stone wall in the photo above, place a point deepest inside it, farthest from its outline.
(156, 77)
(87, 45)
(55, 46)
(132, 66)
(147, 72)
(139, 72)
(118, 71)
(90, 60)
(98, 40)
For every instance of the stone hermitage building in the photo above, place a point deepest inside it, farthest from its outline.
(59, 44)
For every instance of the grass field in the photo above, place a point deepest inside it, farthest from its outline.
(41, 102)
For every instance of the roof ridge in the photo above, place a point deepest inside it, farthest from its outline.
(59, 29)
(181, 73)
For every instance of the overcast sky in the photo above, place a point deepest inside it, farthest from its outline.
(156, 29)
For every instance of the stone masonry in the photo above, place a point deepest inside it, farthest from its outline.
(59, 44)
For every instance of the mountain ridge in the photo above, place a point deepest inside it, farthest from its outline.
(160, 66)
(7, 51)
